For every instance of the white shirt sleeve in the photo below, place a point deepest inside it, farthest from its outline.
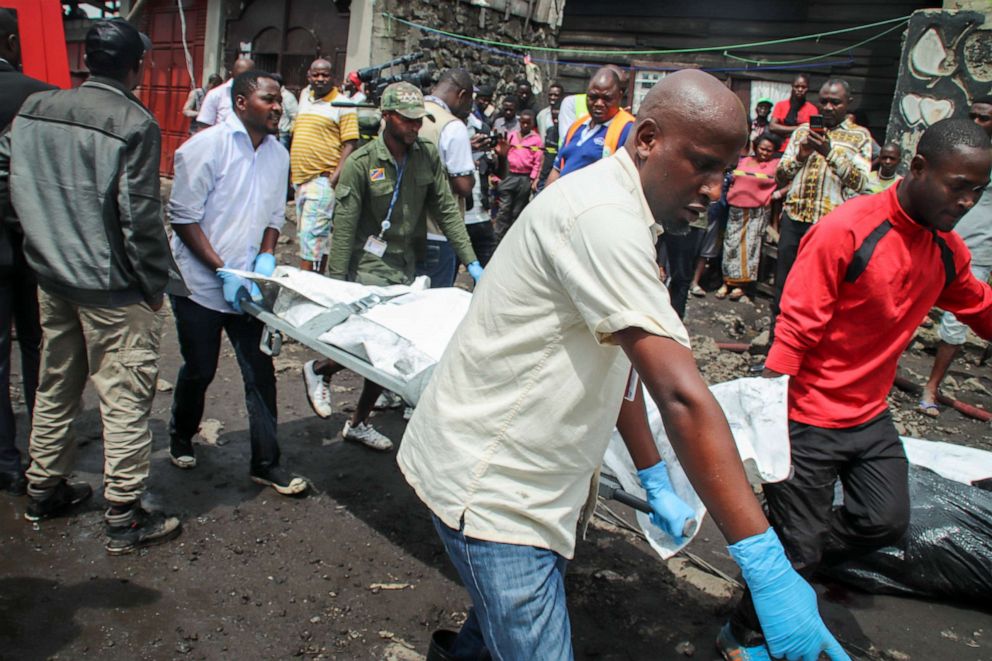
(566, 117)
(277, 215)
(456, 150)
(193, 180)
(630, 294)
(208, 111)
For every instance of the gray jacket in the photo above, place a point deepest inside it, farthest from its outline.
(83, 179)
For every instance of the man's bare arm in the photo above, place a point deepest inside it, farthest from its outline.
(462, 185)
(697, 430)
(632, 423)
(347, 147)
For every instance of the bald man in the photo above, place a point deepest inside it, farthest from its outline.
(574, 105)
(600, 132)
(506, 439)
(218, 103)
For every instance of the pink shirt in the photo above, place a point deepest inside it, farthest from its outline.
(754, 183)
(526, 154)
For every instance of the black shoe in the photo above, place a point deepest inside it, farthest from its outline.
(138, 528)
(280, 480)
(181, 452)
(13, 482)
(440, 647)
(57, 501)
(757, 368)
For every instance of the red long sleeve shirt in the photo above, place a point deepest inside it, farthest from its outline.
(841, 341)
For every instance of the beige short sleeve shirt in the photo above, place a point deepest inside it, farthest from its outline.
(516, 418)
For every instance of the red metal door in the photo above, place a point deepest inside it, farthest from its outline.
(43, 54)
(166, 82)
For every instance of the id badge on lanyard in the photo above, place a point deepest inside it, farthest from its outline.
(376, 245)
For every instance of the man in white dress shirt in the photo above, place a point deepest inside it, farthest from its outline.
(217, 105)
(227, 208)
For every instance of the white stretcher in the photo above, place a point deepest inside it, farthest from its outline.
(392, 335)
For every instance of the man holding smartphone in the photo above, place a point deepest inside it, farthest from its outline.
(827, 160)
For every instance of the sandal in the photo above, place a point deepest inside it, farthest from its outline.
(736, 294)
(928, 409)
(721, 292)
(697, 291)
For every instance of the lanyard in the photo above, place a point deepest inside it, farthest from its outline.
(392, 202)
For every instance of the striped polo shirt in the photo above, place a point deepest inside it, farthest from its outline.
(318, 134)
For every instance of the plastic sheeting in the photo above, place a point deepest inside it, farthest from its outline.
(404, 336)
(757, 412)
(947, 551)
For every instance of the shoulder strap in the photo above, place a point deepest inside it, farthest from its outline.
(867, 248)
(574, 127)
(862, 255)
(617, 125)
(947, 257)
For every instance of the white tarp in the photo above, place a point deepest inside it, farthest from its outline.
(756, 410)
(404, 336)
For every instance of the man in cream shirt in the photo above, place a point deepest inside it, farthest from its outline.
(508, 435)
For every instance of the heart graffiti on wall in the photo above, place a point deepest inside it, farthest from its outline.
(946, 62)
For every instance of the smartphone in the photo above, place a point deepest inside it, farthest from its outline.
(816, 124)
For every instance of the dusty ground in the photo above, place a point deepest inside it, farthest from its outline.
(354, 570)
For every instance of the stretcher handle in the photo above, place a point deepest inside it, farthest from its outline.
(636, 503)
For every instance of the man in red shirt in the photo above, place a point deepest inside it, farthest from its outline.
(866, 276)
(789, 114)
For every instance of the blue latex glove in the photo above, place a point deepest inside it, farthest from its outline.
(265, 263)
(235, 289)
(669, 512)
(784, 602)
(475, 270)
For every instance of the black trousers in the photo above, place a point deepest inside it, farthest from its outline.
(682, 251)
(514, 194)
(199, 331)
(791, 232)
(871, 464)
(18, 307)
(483, 240)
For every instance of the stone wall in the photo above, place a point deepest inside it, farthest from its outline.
(509, 24)
(946, 63)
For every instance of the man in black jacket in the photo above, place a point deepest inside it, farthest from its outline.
(84, 183)
(18, 288)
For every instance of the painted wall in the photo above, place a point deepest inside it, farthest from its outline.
(946, 63)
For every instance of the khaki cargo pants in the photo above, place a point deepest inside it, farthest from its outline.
(118, 349)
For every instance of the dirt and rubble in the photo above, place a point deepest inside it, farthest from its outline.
(354, 570)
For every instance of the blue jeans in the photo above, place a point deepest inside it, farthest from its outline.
(439, 264)
(518, 600)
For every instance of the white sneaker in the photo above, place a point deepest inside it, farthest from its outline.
(367, 435)
(387, 400)
(318, 391)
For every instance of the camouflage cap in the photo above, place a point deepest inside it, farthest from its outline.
(405, 99)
